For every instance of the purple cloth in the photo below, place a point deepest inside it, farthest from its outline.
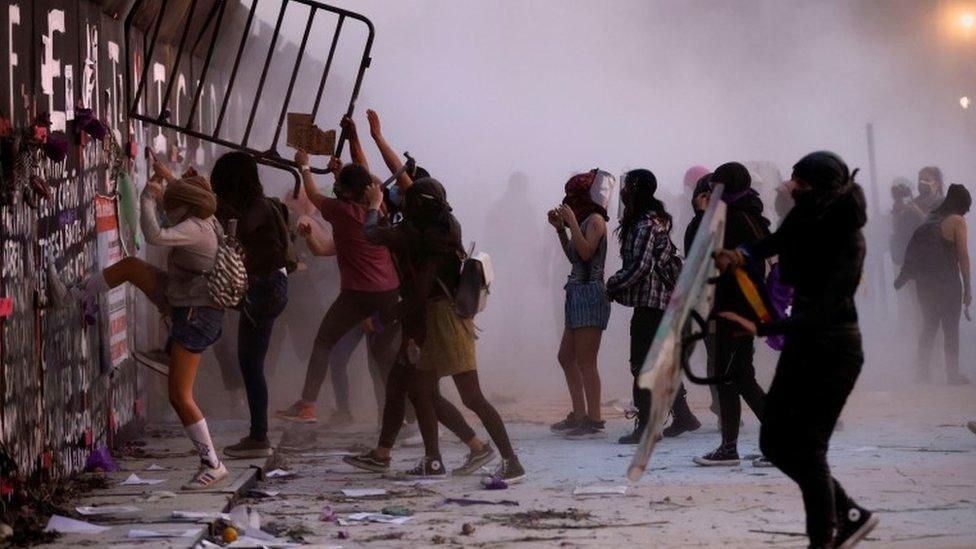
(781, 298)
(101, 459)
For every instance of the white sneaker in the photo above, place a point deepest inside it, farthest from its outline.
(206, 477)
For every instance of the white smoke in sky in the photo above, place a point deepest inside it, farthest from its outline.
(504, 100)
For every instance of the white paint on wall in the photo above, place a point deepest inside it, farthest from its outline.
(13, 18)
(51, 67)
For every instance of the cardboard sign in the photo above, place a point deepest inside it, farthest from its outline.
(304, 134)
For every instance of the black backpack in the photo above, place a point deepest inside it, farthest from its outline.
(925, 249)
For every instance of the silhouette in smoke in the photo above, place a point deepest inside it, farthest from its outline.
(930, 189)
(905, 218)
(937, 259)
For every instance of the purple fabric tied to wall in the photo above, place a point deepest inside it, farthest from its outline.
(86, 121)
(101, 460)
(56, 147)
(781, 298)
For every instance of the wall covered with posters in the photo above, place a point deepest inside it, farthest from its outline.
(67, 381)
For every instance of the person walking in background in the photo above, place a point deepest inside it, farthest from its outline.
(262, 230)
(937, 259)
(733, 351)
(905, 218)
(587, 309)
(181, 292)
(645, 281)
(821, 253)
(930, 189)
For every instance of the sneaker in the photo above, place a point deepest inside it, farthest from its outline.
(972, 426)
(57, 290)
(427, 467)
(588, 428)
(249, 448)
(206, 477)
(475, 461)
(339, 418)
(681, 425)
(761, 461)
(299, 412)
(510, 470)
(958, 379)
(725, 455)
(368, 462)
(571, 422)
(854, 527)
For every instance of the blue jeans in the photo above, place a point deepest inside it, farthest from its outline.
(195, 328)
(267, 296)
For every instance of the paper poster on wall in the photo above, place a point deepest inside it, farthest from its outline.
(115, 347)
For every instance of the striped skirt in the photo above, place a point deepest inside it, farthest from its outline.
(587, 305)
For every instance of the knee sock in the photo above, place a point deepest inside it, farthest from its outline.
(90, 286)
(200, 437)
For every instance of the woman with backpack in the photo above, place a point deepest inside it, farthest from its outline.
(645, 281)
(821, 251)
(587, 309)
(181, 292)
(437, 342)
(262, 230)
(937, 259)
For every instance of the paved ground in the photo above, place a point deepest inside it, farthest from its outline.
(903, 453)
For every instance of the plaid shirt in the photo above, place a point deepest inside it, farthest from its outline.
(638, 283)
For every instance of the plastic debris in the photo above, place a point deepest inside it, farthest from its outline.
(201, 516)
(160, 495)
(363, 492)
(107, 510)
(465, 502)
(279, 473)
(373, 517)
(100, 460)
(396, 511)
(134, 480)
(140, 533)
(65, 525)
(467, 529)
(155, 467)
(599, 490)
(494, 483)
(328, 514)
(262, 493)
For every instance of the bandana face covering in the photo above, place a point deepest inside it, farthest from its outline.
(601, 188)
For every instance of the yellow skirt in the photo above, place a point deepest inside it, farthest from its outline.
(449, 346)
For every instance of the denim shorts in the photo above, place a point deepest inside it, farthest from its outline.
(195, 328)
(587, 305)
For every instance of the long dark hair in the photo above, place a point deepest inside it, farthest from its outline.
(637, 195)
(957, 201)
(235, 181)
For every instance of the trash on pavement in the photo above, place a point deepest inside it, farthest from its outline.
(65, 525)
(363, 492)
(134, 480)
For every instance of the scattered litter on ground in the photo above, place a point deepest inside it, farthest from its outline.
(107, 510)
(465, 502)
(279, 473)
(229, 534)
(494, 483)
(199, 516)
(372, 517)
(328, 514)
(160, 495)
(156, 467)
(467, 529)
(101, 461)
(598, 490)
(396, 511)
(419, 482)
(363, 492)
(140, 533)
(262, 493)
(135, 480)
(66, 525)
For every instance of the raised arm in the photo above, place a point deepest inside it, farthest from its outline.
(585, 244)
(308, 182)
(355, 145)
(389, 155)
(321, 245)
(182, 234)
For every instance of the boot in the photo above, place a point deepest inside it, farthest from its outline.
(684, 420)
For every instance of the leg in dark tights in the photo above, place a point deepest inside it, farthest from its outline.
(813, 380)
(423, 395)
(734, 356)
(474, 399)
(950, 333)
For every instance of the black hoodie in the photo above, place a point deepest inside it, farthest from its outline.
(821, 254)
(744, 225)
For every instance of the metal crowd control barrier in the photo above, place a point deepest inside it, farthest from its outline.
(213, 19)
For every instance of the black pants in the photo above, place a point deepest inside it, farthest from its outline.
(347, 311)
(814, 376)
(733, 358)
(643, 325)
(941, 307)
(266, 299)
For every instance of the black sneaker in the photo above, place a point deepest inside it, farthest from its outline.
(681, 425)
(588, 428)
(475, 461)
(368, 462)
(571, 422)
(249, 448)
(725, 455)
(854, 526)
(634, 436)
(427, 467)
(510, 470)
